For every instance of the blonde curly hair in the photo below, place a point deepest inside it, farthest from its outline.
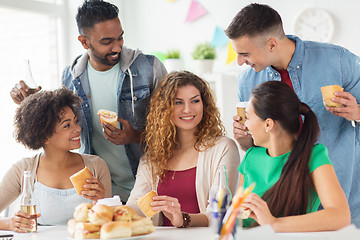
(160, 134)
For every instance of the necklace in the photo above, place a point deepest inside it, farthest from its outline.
(173, 176)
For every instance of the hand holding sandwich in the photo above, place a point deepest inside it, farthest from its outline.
(170, 207)
(349, 110)
(121, 136)
(259, 209)
(94, 189)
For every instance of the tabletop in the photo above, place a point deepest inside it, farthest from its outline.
(200, 233)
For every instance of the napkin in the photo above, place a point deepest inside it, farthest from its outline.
(114, 201)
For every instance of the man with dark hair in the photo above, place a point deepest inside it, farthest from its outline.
(112, 77)
(258, 38)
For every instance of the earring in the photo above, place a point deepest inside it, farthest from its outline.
(266, 130)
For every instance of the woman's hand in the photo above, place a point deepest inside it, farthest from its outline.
(21, 222)
(170, 207)
(259, 209)
(96, 189)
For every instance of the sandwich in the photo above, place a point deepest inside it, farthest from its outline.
(244, 213)
(82, 211)
(144, 204)
(100, 214)
(142, 226)
(115, 230)
(79, 179)
(328, 93)
(125, 214)
(86, 231)
(108, 117)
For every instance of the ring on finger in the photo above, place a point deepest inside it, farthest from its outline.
(172, 204)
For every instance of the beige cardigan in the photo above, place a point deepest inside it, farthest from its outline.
(225, 152)
(11, 185)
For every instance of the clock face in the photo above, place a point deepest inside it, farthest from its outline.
(314, 24)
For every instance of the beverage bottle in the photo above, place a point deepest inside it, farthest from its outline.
(27, 203)
(28, 77)
(220, 202)
(223, 193)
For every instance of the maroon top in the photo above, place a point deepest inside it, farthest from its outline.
(285, 77)
(180, 185)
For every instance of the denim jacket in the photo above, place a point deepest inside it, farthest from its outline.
(312, 66)
(146, 70)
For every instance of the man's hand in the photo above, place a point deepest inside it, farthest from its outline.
(121, 136)
(241, 134)
(350, 110)
(21, 91)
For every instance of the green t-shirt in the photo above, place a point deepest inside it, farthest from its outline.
(258, 167)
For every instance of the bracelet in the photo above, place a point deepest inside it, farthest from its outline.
(186, 220)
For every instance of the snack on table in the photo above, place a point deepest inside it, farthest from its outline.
(82, 211)
(142, 226)
(100, 214)
(328, 93)
(108, 117)
(79, 179)
(115, 230)
(144, 204)
(127, 222)
(125, 214)
(86, 231)
(71, 226)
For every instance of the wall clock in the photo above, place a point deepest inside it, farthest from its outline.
(315, 24)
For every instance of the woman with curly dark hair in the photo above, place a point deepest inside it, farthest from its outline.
(185, 147)
(48, 120)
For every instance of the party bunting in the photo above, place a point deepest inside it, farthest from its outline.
(231, 54)
(195, 11)
(219, 39)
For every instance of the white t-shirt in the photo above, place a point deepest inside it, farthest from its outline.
(103, 90)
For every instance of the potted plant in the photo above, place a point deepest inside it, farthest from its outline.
(204, 54)
(172, 60)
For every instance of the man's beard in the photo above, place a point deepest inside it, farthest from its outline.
(105, 60)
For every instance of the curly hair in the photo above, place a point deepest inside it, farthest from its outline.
(36, 118)
(160, 132)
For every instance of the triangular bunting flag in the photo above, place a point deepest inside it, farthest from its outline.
(231, 54)
(195, 11)
(219, 39)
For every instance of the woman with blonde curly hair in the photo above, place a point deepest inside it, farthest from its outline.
(185, 145)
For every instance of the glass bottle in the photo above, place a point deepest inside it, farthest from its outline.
(220, 202)
(223, 190)
(27, 203)
(28, 77)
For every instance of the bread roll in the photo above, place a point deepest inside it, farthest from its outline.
(142, 226)
(108, 117)
(71, 226)
(115, 230)
(125, 214)
(144, 204)
(100, 214)
(86, 231)
(81, 213)
(328, 93)
(79, 179)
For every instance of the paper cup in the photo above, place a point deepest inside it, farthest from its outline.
(328, 93)
(240, 107)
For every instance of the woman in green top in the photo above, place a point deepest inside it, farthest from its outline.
(292, 173)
